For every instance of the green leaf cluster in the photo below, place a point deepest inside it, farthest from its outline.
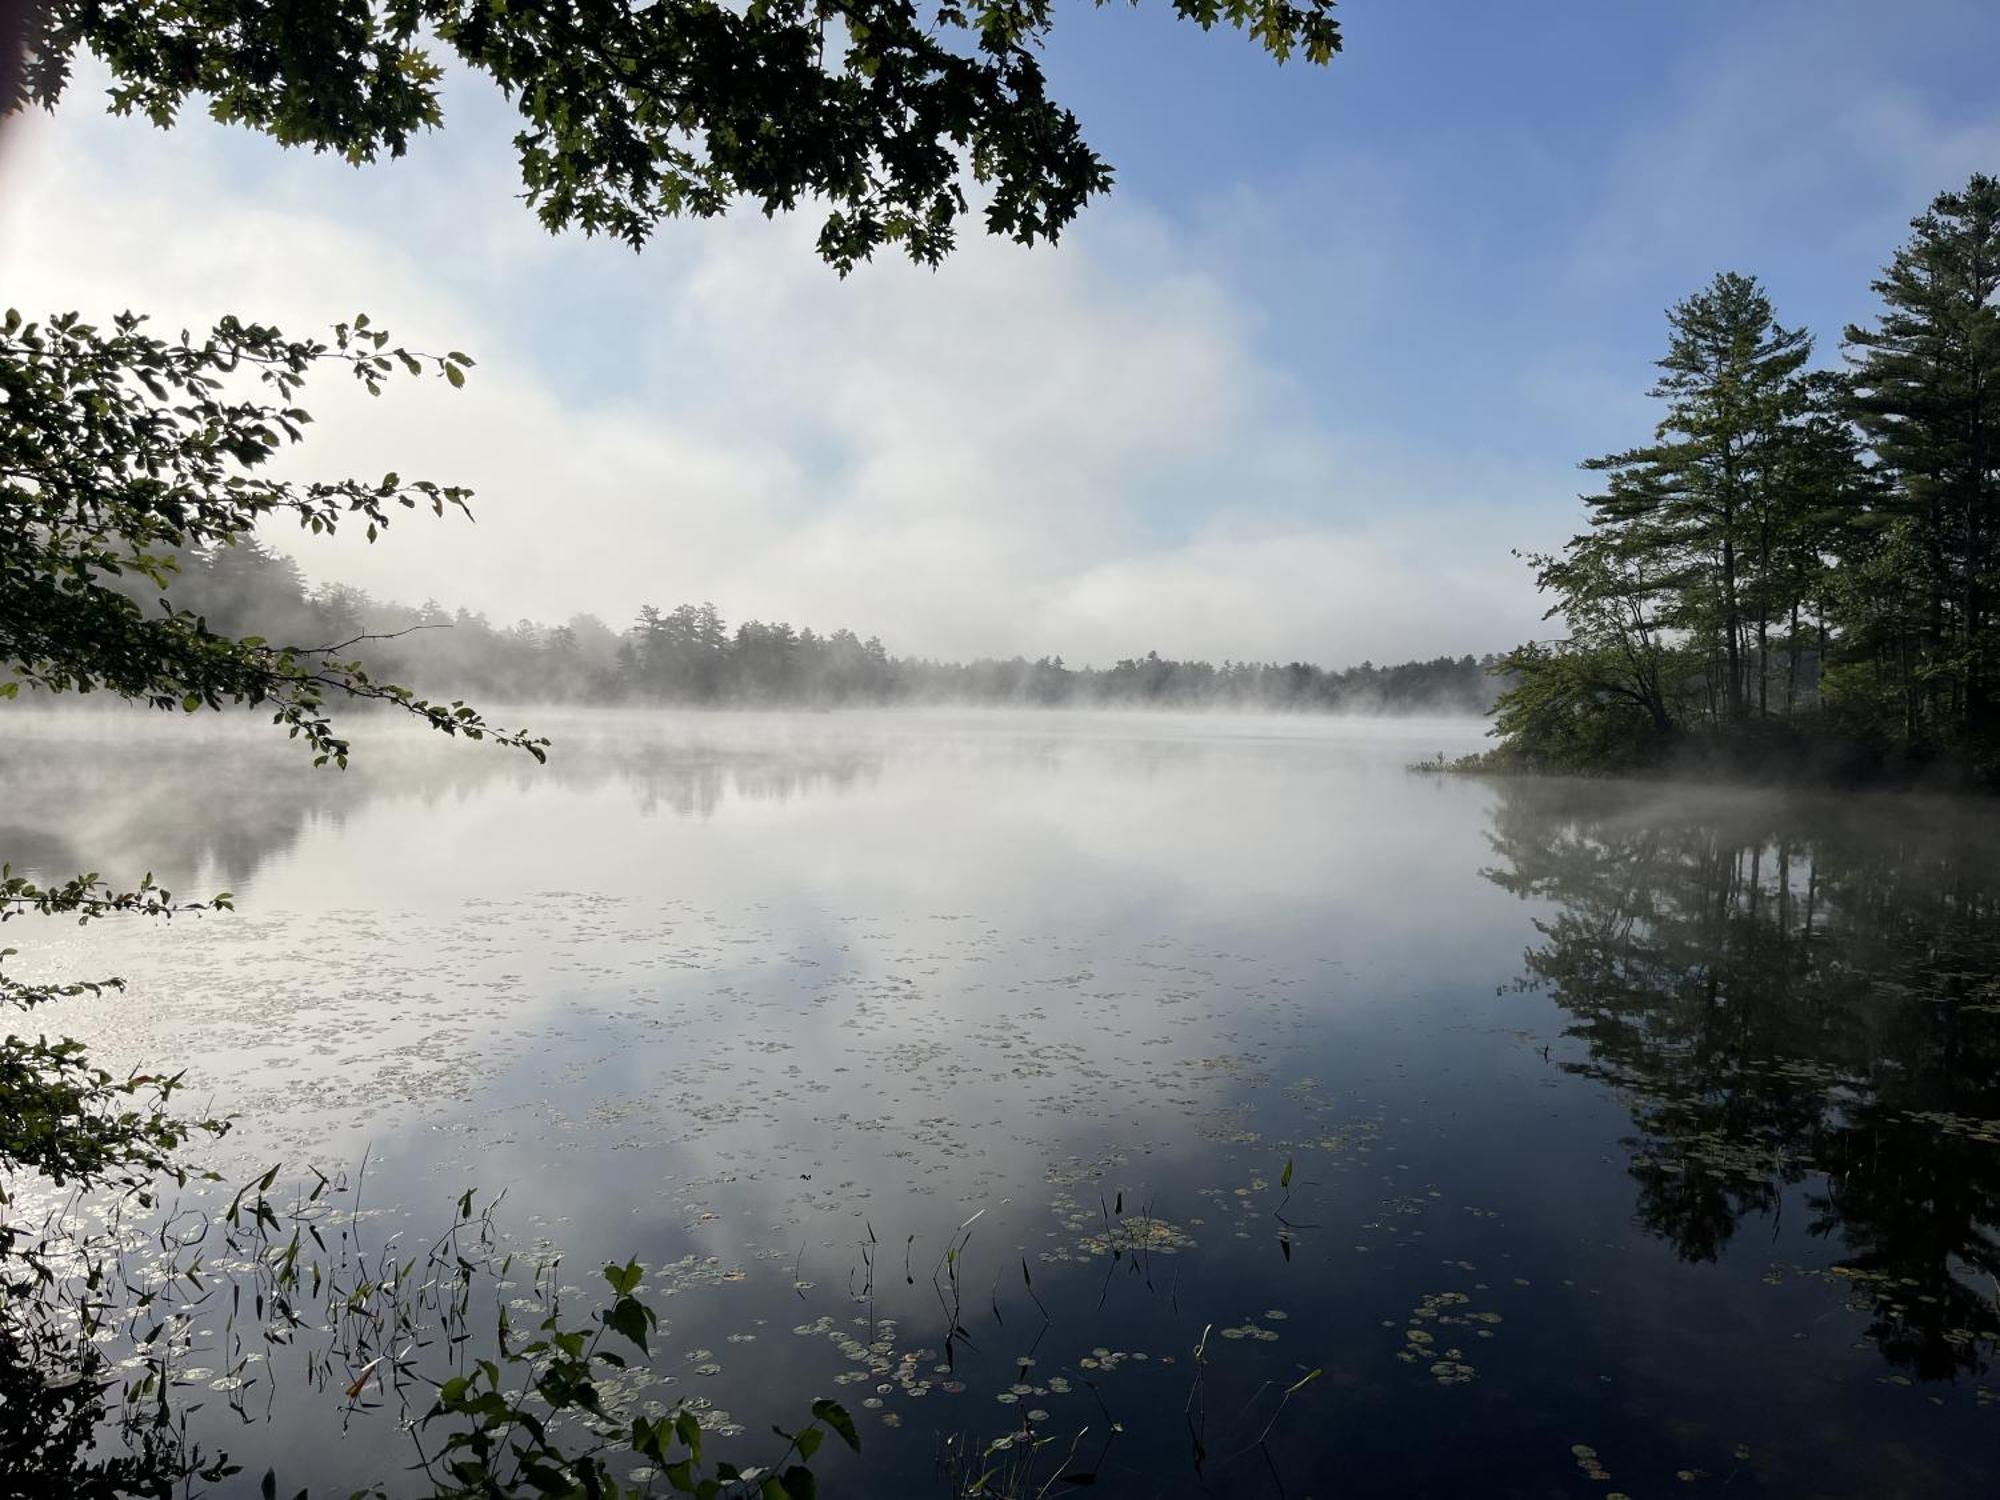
(630, 114)
(119, 450)
(504, 1422)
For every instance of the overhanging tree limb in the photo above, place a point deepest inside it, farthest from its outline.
(631, 114)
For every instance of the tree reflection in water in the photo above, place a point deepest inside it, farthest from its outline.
(1800, 1003)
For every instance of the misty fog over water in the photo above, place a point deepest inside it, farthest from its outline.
(803, 751)
(1567, 1128)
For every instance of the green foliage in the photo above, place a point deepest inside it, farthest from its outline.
(1615, 691)
(60, 1116)
(505, 1421)
(1926, 393)
(1800, 561)
(52, 1427)
(1572, 709)
(632, 114)
(491, 1412)
(88, 896)
(1700, 502)
(76, 1123)
(124, 456)
(121, 448)
(119, 451)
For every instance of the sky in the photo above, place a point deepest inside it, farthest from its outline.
(1327, 355)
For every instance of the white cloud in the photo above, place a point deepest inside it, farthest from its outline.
(1071, 451)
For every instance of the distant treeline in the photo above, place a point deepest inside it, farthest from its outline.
(691, 655)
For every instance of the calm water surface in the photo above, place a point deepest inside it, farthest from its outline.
(1589, 1139)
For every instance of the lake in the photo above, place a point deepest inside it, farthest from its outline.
(1061, 1091)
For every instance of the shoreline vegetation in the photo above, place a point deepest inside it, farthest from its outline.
(1797, 577)
(1752, 762)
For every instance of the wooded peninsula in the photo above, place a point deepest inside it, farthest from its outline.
(1798, 573)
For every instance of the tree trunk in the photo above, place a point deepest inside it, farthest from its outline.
(1764, 606)
(1732, 620)
(1763, 664)
(1792, 662)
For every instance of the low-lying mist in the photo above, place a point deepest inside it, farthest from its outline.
(690, 655)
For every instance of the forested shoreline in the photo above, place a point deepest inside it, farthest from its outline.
(1798, 573)
(691, 655)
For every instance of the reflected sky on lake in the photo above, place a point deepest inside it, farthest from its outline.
(1650, 1122)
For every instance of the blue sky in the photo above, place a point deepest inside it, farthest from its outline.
(1331, 348)
(1476, 198)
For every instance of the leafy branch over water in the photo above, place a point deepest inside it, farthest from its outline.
(120, 451)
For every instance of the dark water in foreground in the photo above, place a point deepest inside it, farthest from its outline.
(1588, 1139)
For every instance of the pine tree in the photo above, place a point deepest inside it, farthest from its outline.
(1821, 493)
(1926, 383)
(1705, 498)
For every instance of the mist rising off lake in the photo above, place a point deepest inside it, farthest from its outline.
(981, 1068)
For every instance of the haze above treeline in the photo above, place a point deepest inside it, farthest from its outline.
(691, 654)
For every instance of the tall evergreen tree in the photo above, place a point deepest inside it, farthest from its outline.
(1926, 392)
(1822, 494)
(1704, 494)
